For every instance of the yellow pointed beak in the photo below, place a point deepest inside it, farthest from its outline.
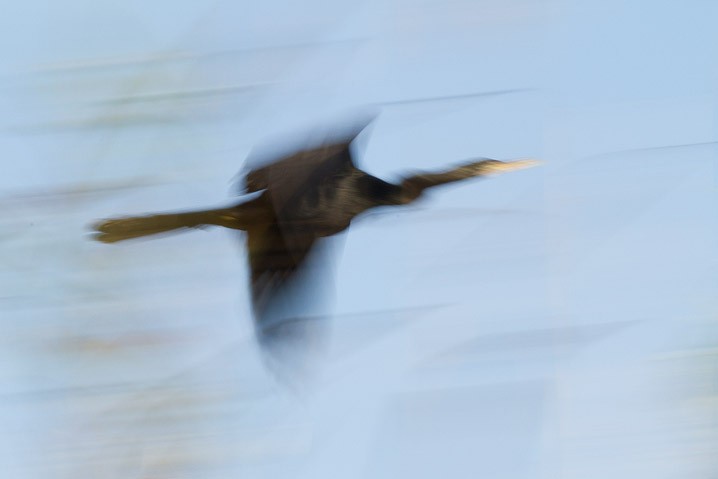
(513, 165)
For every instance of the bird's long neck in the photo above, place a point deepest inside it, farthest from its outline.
(428, 179)
(379, 191)
(413, 186)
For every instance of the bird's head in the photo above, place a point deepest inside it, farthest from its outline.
(486, 167)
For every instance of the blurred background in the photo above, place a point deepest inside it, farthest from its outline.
(558, 322)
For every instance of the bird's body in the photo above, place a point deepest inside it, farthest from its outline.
(304, 197)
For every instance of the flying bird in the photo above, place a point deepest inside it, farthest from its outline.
(301, 198)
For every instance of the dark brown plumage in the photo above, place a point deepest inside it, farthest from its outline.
(304, 197)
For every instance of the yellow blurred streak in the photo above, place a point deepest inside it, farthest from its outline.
(184, 94)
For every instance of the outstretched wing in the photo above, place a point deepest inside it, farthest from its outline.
(287, 259)
(290, 281)
(288, 263)
(273, 260)
(292, 165)
(301, 189)
(301, 173)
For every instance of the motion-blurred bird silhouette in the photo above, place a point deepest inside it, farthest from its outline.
(302, 197)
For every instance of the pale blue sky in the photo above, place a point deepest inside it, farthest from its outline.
(565, 301)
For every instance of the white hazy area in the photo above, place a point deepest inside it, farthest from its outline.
(554, 323)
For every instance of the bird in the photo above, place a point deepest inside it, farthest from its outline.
(300, 199)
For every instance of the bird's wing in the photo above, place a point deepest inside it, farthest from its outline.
(285, 253)
(286, 166)
(301, 189)
(273, 260)
(300, 172)
(287, 284)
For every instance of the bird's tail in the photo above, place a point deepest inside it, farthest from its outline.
(120, 229)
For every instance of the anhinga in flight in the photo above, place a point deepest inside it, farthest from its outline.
(306, 196)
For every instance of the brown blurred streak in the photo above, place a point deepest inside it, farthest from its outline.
(141, 390)
(115, 120)
(91, 123)
(52, 195)
(120, 342)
